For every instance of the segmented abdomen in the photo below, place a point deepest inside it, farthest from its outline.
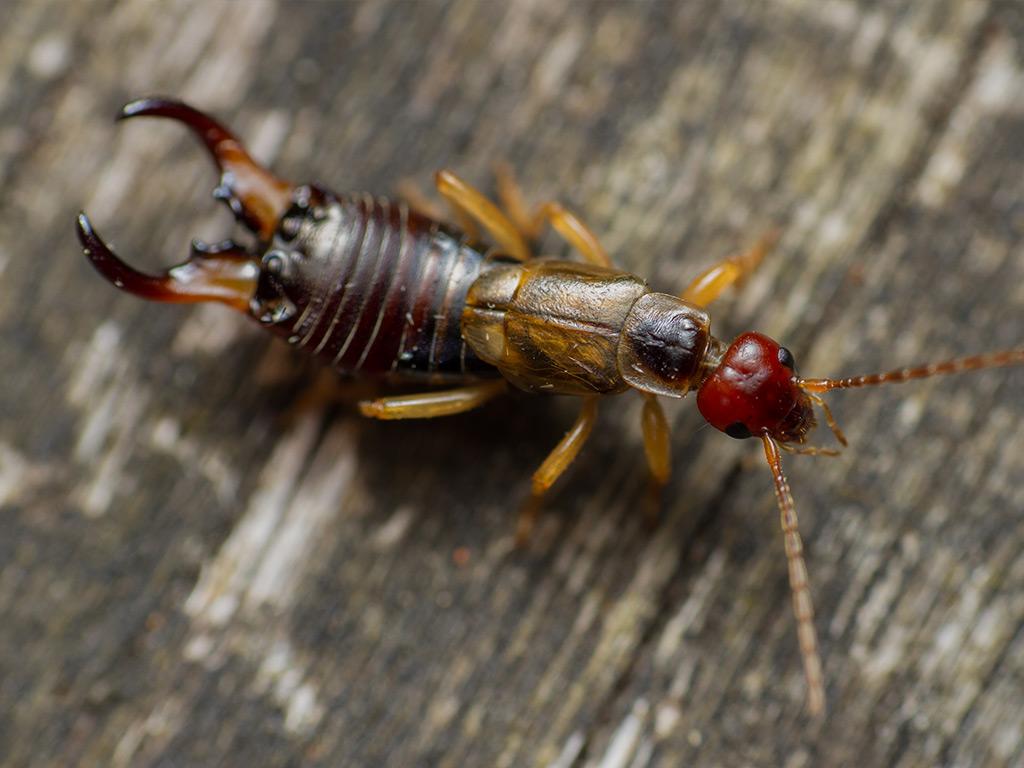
(392, 294)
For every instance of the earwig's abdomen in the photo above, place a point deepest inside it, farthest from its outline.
(371, 287)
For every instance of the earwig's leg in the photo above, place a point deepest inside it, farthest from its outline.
(809, 450)
(409, 191)
(829, 418)
(658, 448)
(476, 206)
(574, 231)
(710, 283)
(428, 405)
(420, 202)
(510, 195)
(554, 465)
(328, 390)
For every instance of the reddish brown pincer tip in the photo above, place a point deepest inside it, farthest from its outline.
(209, 131)
(256, 197)
(223, 273)
(113, 268)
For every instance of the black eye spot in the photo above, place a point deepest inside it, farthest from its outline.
(738, 430)
(786, 358)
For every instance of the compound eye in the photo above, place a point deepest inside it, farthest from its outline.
(786, 358)
(738, 430)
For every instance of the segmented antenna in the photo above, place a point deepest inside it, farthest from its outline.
(798, 584)
(972, 363)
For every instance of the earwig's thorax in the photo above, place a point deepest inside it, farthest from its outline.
(663, 345)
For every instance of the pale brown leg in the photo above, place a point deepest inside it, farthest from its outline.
(574, 231)
(829, 418)
(710, 283)
(554, 465)
(475, 205)
(428, 405)
(328, 390)
(420, 202)
(810, 450)
(657, 442)
(510, 195)
(658, 449)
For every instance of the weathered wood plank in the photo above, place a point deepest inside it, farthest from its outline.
(192, 575)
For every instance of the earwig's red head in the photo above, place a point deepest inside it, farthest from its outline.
(755, 391)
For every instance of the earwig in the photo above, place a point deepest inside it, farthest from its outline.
(373, 287)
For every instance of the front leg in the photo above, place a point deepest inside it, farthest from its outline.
(710, 283)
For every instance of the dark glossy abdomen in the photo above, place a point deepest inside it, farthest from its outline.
(392, 293)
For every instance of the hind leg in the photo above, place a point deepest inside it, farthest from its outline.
(422, 204)
(474, 204)
(429, 405)
(572, 230)
(554, 465)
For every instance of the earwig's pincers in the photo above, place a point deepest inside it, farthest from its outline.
(254, 195)
(224, 272)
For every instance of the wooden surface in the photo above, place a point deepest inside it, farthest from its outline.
(193, 574)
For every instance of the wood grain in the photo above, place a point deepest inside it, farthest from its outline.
(193, 571)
